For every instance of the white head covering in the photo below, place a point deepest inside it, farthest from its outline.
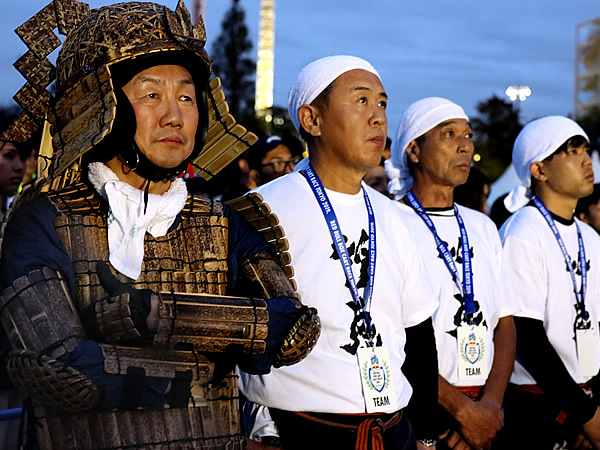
(536, 141)
(418, 119)
(316, 76)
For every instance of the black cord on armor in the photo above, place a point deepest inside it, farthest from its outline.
(195, 353)
(174, 318)
(146, 196)
(202, 169)
(101, 96)
(219, 118)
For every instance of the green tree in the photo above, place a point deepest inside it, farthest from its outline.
(590, 122)
(280, 123)
(232, 62)
(495, 129)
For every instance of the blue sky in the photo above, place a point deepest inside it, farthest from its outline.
(463, 50)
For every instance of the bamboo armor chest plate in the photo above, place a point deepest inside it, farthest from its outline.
(192, 258)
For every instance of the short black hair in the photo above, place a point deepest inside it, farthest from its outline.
(574, 141)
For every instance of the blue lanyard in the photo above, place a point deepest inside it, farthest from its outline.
(583, 262)
(340, 245)
(467, 283)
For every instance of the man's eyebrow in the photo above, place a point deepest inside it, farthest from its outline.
(187, 81)
(150, 79)
(446, 123)
(161, 82)
(364, 88)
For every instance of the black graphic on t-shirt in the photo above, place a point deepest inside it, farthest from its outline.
(359, 255)
(461, 318)
(580, 322)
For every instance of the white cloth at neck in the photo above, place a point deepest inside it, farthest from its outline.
(127, 223)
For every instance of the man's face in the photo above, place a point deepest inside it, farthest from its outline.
(353, 126)
(569, 173)
(444, 158)
(378, 180)
(166, 113)
(276, 162)
(12, 168)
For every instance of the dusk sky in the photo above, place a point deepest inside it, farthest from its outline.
(465, 51)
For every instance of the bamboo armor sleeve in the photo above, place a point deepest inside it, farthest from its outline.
(42, 325)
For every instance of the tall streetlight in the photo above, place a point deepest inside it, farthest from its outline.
(518, 94)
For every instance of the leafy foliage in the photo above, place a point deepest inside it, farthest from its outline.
(495, 128)
(232, 61)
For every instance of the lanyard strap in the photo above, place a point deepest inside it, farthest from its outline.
(467, 281)
(582, 260)
(340, 245)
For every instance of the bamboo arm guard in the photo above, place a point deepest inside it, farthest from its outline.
(40, 321)
(294, 328)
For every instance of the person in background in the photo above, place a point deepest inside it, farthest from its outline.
(552, 259)
(13, 163)
(376, 176)
(588, 209)
(377, 179)
(269, 158)
(475, 335)
(498, 211)
(475, 192)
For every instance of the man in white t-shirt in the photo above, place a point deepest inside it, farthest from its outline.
(474, 329)
(353, 260)
(552, 262)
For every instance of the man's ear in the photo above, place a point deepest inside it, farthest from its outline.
(254, 178)
(583, 217)
(413, 152)
(537, 171)
(243, 165)
(310, 119)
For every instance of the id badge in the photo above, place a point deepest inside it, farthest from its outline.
(472, 353)
(376, 377)
(587, 345)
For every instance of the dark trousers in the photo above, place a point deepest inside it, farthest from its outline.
(300, 433)
(532, 421)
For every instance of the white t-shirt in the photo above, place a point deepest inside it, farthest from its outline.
(537, 270)
(492, 300)
(328, 380)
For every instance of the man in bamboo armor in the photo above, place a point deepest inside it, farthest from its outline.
(113, 277)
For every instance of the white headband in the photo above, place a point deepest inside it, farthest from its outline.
(536, 141)
(316, 76)
(418, 119)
